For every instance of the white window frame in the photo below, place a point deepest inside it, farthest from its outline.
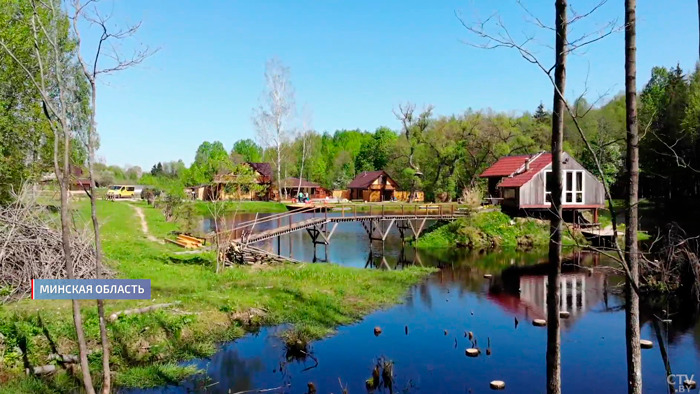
(565, 191)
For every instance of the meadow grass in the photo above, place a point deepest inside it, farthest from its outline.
(488, 229)
(317, 297)
(203, 208)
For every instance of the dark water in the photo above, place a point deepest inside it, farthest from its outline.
(459, 299)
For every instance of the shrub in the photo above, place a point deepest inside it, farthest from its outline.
(472, 197)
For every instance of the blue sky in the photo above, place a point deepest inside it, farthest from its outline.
(351, 62)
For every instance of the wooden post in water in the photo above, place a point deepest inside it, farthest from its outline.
(290, 237)
(279, 238)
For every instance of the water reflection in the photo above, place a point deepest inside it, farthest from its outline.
(430, 356)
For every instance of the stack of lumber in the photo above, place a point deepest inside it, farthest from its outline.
(241, 254)
(187, 241)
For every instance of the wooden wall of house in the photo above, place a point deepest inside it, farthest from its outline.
(532, 193)
(341, 194)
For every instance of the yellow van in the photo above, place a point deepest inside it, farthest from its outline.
(120, 191)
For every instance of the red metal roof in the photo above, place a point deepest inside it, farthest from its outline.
(536, 166)
(505, 166)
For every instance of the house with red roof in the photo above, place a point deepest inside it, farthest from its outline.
(524, 183)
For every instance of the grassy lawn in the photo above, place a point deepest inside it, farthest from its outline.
(316, 297)
(203, 207)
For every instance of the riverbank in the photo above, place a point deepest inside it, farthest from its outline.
(204, 208)
(212, 308)
(484, 230)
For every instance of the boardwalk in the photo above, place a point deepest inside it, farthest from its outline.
(319, 223)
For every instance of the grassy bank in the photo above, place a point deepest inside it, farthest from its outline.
(488, 229)
(213, 308)
(204, 207)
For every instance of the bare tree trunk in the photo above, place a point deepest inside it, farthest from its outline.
(279, 172)
(106, 375)
(303, 158)
(553, 335)
(634, 358)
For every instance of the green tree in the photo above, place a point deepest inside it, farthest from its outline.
(247, 150)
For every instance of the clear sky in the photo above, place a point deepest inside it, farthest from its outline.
(351, 62)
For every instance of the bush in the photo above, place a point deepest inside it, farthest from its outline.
(472, 197)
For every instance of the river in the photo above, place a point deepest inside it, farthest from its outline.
(430, 357)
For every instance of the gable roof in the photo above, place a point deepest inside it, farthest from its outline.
(294, 182)
(265, 169)
(536, 165)
(364, 179)
(505, 166)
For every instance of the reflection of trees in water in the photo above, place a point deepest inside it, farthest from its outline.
(233, 372)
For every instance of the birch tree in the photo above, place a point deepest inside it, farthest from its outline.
(275, 112)
(306, 130)
(91, 71)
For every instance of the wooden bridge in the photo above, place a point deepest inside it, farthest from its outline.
(377, 222)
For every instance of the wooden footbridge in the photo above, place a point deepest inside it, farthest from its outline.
(377, 222)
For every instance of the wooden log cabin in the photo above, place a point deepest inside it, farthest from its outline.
(373, 186)
(263, 173)
(523, 185)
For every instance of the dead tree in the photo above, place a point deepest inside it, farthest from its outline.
(91, 71)
(271, 117)
(53, 87)
(634, 357)
(412, 127)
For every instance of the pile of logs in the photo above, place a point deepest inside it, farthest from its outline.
(238, 253)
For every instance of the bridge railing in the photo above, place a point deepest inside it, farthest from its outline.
(350, 211)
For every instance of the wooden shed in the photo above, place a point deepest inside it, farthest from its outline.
(524, 183)
(373, 186)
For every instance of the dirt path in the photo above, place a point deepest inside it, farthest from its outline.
(144, 225)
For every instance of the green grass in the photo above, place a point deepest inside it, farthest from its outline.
(204, 207)
(488, 229)
(318, 297)
(605, 217)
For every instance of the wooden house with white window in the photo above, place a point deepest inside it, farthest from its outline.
(523, 184)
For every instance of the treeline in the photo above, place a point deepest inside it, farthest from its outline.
(451, 151)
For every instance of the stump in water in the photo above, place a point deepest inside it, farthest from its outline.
(472, 352)
(497, 385)
(378, 330)
(539, 322)
(646, 344)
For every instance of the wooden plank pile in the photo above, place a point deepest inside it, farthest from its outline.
(240, 254)
(187, 241)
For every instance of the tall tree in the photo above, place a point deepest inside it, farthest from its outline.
(413, 128)
(634, 357)
(553, 331)
(306, 130)
(91, 71)
(277, 108)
